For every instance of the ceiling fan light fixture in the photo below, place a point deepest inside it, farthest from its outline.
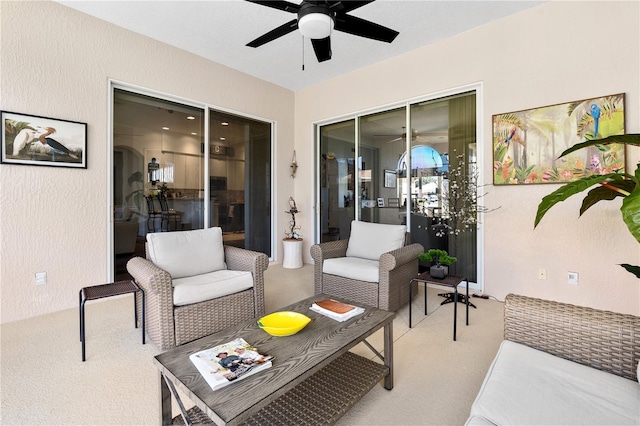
(315, 25)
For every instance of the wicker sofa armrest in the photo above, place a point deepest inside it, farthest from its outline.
(150, 277)
(239, 259)
(322, 251)
(605, 340)
(329, 250)
(401, 256)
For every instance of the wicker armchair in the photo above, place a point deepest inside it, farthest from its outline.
(396, 268)
(170, 325)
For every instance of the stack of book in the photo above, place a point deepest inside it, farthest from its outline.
(231, 361)
(336, 310)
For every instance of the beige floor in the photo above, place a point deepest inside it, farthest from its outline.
(44, 382)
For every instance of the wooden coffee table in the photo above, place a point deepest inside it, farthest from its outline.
(314, 378)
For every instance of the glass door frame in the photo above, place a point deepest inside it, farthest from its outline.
(206, 107)
(480, 143)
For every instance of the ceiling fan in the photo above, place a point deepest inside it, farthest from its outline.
(316, 20)
(415, 136)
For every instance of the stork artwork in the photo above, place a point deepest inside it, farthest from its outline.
(28, 139)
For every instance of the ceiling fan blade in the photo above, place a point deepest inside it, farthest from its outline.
(322, 47)
(363, 28)
(280, 5)
(348, 6)
(275, 33)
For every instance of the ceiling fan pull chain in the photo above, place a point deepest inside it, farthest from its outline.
(302, 53)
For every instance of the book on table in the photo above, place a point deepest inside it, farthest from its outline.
(336, 310)
(229, 362)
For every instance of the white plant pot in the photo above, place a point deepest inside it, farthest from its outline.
(292, 254)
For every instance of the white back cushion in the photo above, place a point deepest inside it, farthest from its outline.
(370, 240)
(187, 253)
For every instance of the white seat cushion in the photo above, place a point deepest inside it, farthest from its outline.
(209, 286)
(187, 253)
(525, 386)
(371, 240)
(353, 267)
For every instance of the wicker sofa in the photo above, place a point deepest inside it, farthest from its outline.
(195, 286)
(373, 266)
(562, 364)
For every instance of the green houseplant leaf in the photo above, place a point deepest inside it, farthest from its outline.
(631, 212)
(632, 139)
(567, 191)
(613, 185)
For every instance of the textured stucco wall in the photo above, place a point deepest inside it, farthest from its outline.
(57, 62)
(553, 53)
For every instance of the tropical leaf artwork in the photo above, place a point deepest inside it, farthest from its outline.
(527, 144)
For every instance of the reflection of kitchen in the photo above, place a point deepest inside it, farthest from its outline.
(181, 173)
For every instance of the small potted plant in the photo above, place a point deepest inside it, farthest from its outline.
(442, 262)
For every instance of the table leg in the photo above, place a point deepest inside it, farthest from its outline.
(165, 403)
(425, 297)
(82, 328)
(135, 308)
(410, 287)
(467, 282)
(80, 313)
(143, 315)
(388, 354)
(455, 311)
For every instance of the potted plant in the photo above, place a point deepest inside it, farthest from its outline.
(611, 186)
(442, 262)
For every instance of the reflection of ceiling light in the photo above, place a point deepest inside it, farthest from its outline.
(223, 139)
(165, 128)
(190, 117)
(224, 123)
(194, 133)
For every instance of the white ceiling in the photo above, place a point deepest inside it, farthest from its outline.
(219, 30)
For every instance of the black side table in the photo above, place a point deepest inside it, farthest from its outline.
(449, 281)
(108, 290)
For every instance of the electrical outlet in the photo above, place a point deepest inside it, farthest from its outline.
(41, 278)
(542, 274)
(572, 278)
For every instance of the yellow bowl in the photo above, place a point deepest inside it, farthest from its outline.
(283, 323)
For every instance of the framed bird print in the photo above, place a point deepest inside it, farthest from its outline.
(527, 144)
(42, 141)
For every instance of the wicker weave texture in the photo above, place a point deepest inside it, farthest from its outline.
(605, 340)
(320, 400)
(168, 326)
(201, 319)
(397, 268)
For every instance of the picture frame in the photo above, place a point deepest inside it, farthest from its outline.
(390, 178)
(393, 202)
(380, 202)
(43, 141)
(527, 144)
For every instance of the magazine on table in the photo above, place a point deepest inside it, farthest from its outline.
(336, 310)
(231, 361)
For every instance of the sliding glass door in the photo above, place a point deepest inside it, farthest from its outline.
(404, 166)
(162, 183)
